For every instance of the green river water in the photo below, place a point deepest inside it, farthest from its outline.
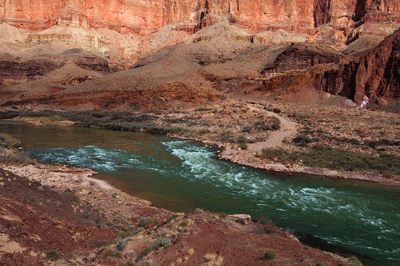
(341, 216)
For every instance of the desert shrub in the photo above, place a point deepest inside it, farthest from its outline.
(166, 242)
(302, 140)
(183, 224)
(111, 253)
(267, 225)
(269, 255)
(128, 263)
(223, 214)
(172, 217)
(52, 255)
(7, 141)
(144, 253)
(125, 234)
(353, 261)
(71, 196)
(149, 222)
(155, 244)
(120, 245)
(242, 142)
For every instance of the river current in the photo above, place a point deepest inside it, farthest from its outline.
(339, 215)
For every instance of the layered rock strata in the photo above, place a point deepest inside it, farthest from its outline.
(144, 17)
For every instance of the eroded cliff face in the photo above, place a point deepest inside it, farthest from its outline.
(143, 17)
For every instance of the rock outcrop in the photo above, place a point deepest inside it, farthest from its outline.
(144, 17)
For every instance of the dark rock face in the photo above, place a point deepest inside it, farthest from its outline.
(15, 70)
(300, 56)
(374, 74)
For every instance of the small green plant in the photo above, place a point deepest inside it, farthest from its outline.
(111, 253)
(143, 253)
(222, 215)
(125, 234)
(166, 242)
(6, 141)
(52, 255)
(183, 224)
(353, 261)
(172, 217)
(269, 255)
(149, 222)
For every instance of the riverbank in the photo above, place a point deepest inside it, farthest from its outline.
(147, 235)
(244, 130)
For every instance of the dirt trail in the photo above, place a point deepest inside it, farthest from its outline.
(248, 157)
(288, 129)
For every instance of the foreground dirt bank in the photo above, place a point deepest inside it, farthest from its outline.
(86, 216)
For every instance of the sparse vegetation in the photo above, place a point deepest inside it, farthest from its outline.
(52, 255)
(9, 142)
(172, 217)
(354, 261)
(326, 157)
(111, 253)
(69, 195)
(265, 226)
(183, 224)
(166, 242)
(269, 255)
(243, 143)
(144, 253)
(125, 234)
(223, 214)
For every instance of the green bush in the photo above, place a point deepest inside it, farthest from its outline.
(183, 224)
(125, 234)
(8, 142)
(353, 261)
(52, 255)
(112, 253)
(223, 214)
(269, 255)
(166, 242)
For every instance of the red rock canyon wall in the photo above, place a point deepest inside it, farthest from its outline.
(147, 15)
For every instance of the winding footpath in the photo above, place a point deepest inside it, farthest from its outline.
(288, 130)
